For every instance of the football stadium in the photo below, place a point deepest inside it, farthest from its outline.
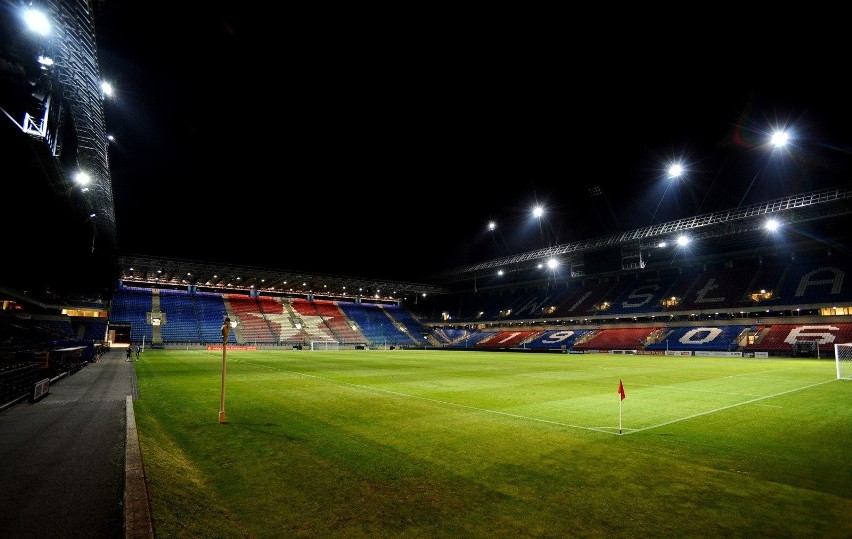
(689, 378)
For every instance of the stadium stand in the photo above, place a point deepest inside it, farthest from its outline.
(720, 287)
(449, 336)
(693, 324)
(335, 319)
(35, 346)
(815, 280)
(132, 306)
(702, 338)
(531, 304)
(724, 305)
(195, 318)
(376, 326)
(469, 339)
(616, 339)
(252, 326)
(642, 294)
(585, 300)
(556, 339)
(211, 312)
(407, 323)
(787, 338)
(89, 329)
(507, 339)
(181, 318)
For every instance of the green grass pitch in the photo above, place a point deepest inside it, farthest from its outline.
(490, 444)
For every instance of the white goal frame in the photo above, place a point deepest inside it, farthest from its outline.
(325, 345)
(843, 360)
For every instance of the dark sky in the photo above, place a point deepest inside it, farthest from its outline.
(381, 144)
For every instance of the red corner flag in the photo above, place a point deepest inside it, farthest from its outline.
(621, 390)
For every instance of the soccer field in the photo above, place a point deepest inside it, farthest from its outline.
(490, 444)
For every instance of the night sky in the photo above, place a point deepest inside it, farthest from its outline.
(381, 144)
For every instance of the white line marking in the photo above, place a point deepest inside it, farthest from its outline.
(605, 430)
(731, 406)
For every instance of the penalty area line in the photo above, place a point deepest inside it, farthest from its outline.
(708, 412)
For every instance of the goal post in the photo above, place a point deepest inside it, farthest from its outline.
(325, 345)
(843, 359)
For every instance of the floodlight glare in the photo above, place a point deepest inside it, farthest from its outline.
(107, 89)
(772, 225)
(682, 240)
(36, 21)
(675, 170)
(492, 225)
(82, 178)
(552, 263)
(779, 138)
(538, 211)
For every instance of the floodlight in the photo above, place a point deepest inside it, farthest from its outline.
(675, 170)
(82, 178)
(37, 21)
(779, 138)
(107, 89)
(772, 225)
(492, 225)
(538, 211)
(682, 240)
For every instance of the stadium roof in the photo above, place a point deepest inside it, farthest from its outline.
(726, 230)
(171, 273)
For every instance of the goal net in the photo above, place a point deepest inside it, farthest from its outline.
(843, 358)
(325, 345)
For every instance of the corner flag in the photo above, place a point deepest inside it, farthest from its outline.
(621, 390)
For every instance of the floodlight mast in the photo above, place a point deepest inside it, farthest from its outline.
(226, 331)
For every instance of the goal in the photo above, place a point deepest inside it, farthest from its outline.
(325, 345)
(843, 358)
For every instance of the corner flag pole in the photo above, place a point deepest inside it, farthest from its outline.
(621, 395)
(226, 330)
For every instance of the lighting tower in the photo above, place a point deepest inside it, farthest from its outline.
(64, 117)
